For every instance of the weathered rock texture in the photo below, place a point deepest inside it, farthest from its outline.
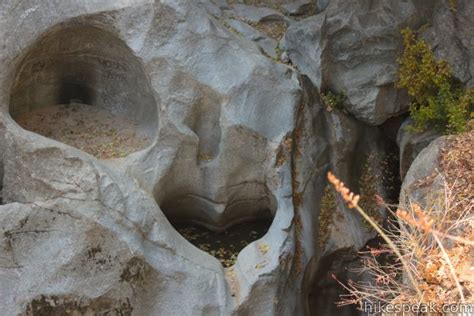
(84, 63)
(236, 136)
(2, 150)
(425, 167)
(351, 48)
(450, 35)
(411, 143)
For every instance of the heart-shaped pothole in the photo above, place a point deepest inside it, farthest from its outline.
(223, 229)
(83, 86)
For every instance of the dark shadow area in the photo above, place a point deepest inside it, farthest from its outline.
(223, 229)
(75, 91)
(391, 172)
(224, 245)
(245, 202)
(325, 291)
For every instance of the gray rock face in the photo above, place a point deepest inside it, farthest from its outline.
(299, 8)
(255, 14)
(411, 144)
(267, 44)
(425, 165)
(87, 234)
(450, 36)
(330, 141)
(100, 230)
(2, 150)
(351, 48)
(321, 5)
(88, 66)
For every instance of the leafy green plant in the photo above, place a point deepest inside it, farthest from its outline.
(333, 100)
(437, 99)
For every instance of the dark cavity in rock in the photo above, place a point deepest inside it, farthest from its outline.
(222, 229)
(225, 245)
(83, 86)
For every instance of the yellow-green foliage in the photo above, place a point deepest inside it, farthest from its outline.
(437, 99)
(453, 5)
(333, 100)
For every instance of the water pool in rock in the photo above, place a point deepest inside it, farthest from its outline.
(224, 245)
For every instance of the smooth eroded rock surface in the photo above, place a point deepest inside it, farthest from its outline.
(351, 48)
(228, 97)
(411, 143)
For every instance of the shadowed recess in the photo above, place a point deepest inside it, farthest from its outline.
(223, 229)
(224, 245)
(82, 85)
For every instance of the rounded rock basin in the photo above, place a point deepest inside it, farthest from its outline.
(83, 86)
(222, 229)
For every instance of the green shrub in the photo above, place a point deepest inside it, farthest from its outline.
(437, 99)
(333, 100)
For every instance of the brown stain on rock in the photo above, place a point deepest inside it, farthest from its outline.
(69, 305)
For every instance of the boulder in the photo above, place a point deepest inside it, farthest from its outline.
(424, 167)
(351, 48)
(450, 37)
(411, 143)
